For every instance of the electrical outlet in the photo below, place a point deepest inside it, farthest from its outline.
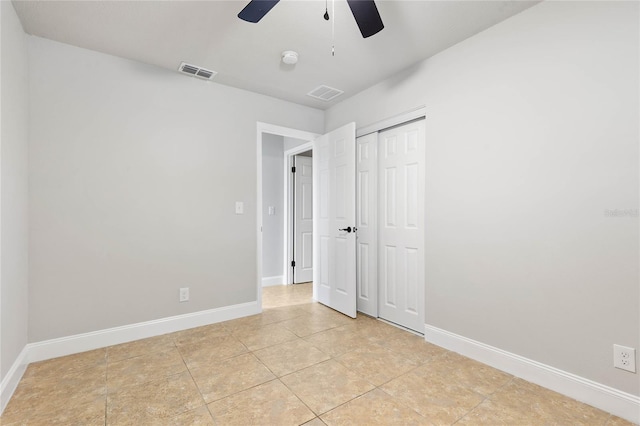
(184, 294)
(624, 358)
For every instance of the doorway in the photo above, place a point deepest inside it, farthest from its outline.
(272, 213)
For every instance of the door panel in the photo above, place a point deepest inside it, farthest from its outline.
(303, 212)
(334, 209)
(389, 276)
(367, 277)
(401, 232)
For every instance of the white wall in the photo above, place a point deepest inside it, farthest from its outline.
(290, 143)
(272, 195)
(134, 173)
(532, 133)
(13, 188)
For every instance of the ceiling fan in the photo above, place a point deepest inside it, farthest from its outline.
(364, 11)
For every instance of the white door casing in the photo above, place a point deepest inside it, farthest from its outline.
(303, 213)
(401, 226)
(367, 207)
(334, 208)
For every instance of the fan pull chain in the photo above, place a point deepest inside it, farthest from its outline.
(333, 28)
(333, 25)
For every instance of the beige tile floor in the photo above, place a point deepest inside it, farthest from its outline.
(296, 363)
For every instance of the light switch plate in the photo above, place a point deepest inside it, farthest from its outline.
(272, 210)
(239, 207)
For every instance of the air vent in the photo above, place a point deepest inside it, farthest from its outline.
(325, 93)
(196, 71)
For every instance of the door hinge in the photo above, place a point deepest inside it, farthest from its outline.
(293, 169)
(293, 263)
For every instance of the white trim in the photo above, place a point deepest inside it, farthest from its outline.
(287, 207)
(621, 404)
(405, 117)
(10, 382)
(271, 281)
(275, 130)
(112, 336)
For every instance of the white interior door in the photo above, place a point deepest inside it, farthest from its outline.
(401, 228)
(367, 207)
(334, 210)
(303, 213)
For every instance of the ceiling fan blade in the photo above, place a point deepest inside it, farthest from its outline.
(367, 16)
(256, 9)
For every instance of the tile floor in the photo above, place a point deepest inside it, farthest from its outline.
(296, 363)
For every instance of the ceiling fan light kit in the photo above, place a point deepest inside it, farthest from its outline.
(289, 57)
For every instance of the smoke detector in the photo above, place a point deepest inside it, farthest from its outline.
(289, 57)
(196, 71)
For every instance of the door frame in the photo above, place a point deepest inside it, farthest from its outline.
(280, 131)
(289, 218)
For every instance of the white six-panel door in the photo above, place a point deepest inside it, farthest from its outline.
(303, 231)
(401, 222)
(334, 208)
(367, 206)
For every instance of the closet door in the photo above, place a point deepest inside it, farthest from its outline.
(367, 207)
(401, 225)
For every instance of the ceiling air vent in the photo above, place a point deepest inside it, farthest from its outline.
(325, 93)
(196, 71)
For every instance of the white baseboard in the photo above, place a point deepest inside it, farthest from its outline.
(54, 348)
(10, 382)
(270, 281)
(112, 336)
(621, 404)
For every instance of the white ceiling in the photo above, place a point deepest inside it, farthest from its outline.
(209, 34)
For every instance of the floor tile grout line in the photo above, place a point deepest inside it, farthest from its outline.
(299, 399)
(57, 375)
(351, 399)
(486, 397)
(313, 365)
(243, 390)
(348, 401)
(420, 364)
(291, 372)
(217, 361)
(166, 377)
(106, 388)
(401, 402)
(142, 354)
(186, 366)
(239, 391)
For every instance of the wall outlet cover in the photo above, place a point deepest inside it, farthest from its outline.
(184, 294)
(624, 358)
